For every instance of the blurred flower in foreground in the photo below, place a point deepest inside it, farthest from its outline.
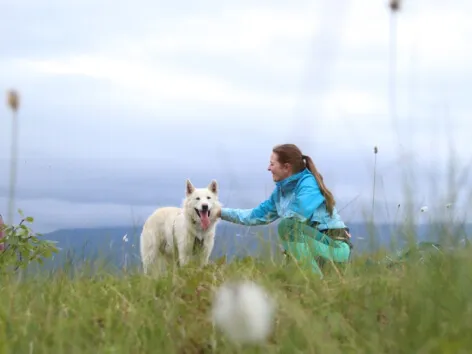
(243, 311)
(424, 209)
(125, 238)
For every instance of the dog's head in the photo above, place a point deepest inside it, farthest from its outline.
(202, 203)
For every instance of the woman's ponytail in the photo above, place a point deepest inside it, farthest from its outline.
(330, 202)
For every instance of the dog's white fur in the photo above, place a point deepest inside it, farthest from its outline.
(171, 230)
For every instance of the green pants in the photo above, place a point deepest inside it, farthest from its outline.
(307, 244)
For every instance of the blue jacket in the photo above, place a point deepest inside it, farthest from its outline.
(297, 196)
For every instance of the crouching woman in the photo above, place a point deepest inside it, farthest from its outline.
(311, 229)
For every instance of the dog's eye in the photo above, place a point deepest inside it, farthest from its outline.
(208, 197)
(198, 198)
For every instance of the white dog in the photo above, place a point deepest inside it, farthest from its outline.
(183, 232)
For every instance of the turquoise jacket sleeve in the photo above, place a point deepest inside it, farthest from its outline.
(263, 214)
(308, 198)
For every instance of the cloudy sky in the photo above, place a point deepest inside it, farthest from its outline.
(122, 101)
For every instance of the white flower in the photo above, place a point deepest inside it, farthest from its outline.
(448, 205)
(125, 238)
(424, 209)
(243, 311)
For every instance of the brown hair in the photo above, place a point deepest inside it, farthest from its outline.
(291, 154)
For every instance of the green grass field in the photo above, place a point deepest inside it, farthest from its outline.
(412, 308)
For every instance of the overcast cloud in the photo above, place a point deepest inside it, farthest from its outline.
(122, 101)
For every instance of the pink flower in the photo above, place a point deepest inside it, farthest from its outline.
(2, 233)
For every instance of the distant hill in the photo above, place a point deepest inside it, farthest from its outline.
(107, 244)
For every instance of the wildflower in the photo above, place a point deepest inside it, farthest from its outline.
(125, 238)
(243, 311)
(376, 149)
(448, 205)
(424, 209)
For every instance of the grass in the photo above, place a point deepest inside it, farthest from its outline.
(415, 308)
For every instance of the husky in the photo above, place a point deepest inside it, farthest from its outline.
(173, 235)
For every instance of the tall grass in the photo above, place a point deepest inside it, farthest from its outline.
(413, 308)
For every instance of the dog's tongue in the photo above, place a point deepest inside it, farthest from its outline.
(204, 220)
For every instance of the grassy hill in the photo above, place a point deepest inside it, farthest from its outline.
(413, 308)
(93, 298)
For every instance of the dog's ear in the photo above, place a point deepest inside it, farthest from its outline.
(213, 187)
(190, 188)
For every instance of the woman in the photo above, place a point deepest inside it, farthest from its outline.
(311, 227)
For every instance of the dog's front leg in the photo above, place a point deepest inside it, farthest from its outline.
(183, 254)
(183, 259)
(206, 252)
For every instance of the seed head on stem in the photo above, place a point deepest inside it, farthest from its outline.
(376, 150)
(394, 5)
(13, 100)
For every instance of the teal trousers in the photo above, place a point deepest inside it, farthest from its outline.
(306, 244)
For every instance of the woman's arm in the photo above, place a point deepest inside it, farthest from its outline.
(263, 214)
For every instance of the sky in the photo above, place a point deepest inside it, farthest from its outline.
(122, 101)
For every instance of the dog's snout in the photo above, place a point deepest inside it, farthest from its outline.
(204, 207)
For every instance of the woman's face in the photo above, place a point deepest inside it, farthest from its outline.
(279, 171)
